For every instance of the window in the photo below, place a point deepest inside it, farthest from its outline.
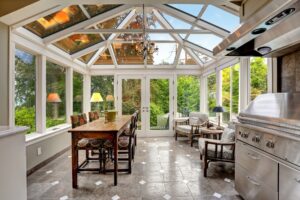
(105, 86)
(192, 9)
(207, 41)
(230, 92)
(77, 93)
(188, 94)
(259, 76)
(211, 94)
(25, 76)
(56, 88)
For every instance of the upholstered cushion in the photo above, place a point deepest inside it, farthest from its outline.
(83, 143)
(95, 143)
(123, 141)
(108, 144)
(202, 117)
(184, 128)
(194, 120)
(227, 153)
(228, 135)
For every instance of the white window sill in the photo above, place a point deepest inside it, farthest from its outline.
(33, 138)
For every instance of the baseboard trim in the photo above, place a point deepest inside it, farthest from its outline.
(45, 162)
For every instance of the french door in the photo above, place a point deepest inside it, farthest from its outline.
(153, 96)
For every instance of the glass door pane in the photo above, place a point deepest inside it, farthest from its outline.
(131, 97)
(159, 104)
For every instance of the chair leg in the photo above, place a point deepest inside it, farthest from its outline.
(192, 140)
(176, 135)
(129, 160)
(87, 155)
(100, 160)
(135, 140)
(201, 156)
(205, 167)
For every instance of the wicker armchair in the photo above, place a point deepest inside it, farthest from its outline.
(217, 150)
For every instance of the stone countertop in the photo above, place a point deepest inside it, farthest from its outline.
(7, 131)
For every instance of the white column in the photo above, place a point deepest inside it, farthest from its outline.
(41, 94)
(203, 94)
(4, 75)
(218, 88)
(86, 93)
(69, 93)
(272, 75)
(244, 83)
(12, 77)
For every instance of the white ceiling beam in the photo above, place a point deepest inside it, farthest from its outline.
(90, 22)
(88, 50)
(191, 20)
(198, 48)
(85, 12)
(178, 31)
(194, 56)
(113, 56)
(96, 56)
(177, 57)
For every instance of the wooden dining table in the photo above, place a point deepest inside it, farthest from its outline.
(98, 129)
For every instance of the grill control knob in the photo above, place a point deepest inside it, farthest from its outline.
(256, 139)
(270, 144)
(245, 135)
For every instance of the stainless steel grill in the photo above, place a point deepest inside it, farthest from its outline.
(268, 148)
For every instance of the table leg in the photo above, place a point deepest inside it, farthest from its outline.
(116, 160)
(74, 161)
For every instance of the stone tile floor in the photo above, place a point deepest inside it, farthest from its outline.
(162, 169)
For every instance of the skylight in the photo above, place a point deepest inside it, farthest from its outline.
(203, 57)
(185, 59)
(207, 41)
(221, 18)
(165, 55)
(161, 36)
(192, 9)
(176, 23)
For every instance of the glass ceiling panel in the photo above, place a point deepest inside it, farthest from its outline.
(207, 41)
(186, 59)
(127, 54)
(104, 59)
(161, 36)
(94, 10)
(203, 57)
(86, 58)
(176, 23)
(55, 22)
(192, 9)
(221, 18)
(165, 55)
(77, 42)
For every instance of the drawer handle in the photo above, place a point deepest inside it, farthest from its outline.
(253, 157)
(297, 180)
(270, 144)
(252, 181)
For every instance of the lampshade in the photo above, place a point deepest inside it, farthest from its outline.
(53, 98)
(219, 109)
(96, 97)
(110, 97)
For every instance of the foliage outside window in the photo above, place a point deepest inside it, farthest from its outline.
(25, 76)
(211, 94)
(77, 93)
(104, 85)
(56, 88)
(230, 92)
(259, 75)
(188, 94)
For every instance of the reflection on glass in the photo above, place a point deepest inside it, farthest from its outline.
(188, 95)
(86, 58)
(159, 104)
(192, 9)
(165, 55)
(235, 78)
(131, 97)
(94, 10)
(104, 59)
(105, 86)
(126, 54)
(57, 21)
(207, 41)
(77, 93)
(226, 93)
(25, 67)
(77, 42)
(185, 59)
(56, 87)
(258, 76)
(211, 92)
(202, 57)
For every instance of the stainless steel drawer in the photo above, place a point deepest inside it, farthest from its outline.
(257, 164)
(251, 188)
(289, 183)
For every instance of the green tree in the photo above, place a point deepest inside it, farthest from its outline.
(77, 92)
(259, 72)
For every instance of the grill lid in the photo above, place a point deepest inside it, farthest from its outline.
(281, 109)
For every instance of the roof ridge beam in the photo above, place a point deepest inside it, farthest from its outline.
(88, 50)
(198, 48)
(90, 22)
(178, 31)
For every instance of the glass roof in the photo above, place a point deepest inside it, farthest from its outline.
(128, 46)
(207, 41)
(192, 9)
(221, 18)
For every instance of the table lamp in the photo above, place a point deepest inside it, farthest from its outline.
(55, 99)
(218, 110)
(96, 98)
